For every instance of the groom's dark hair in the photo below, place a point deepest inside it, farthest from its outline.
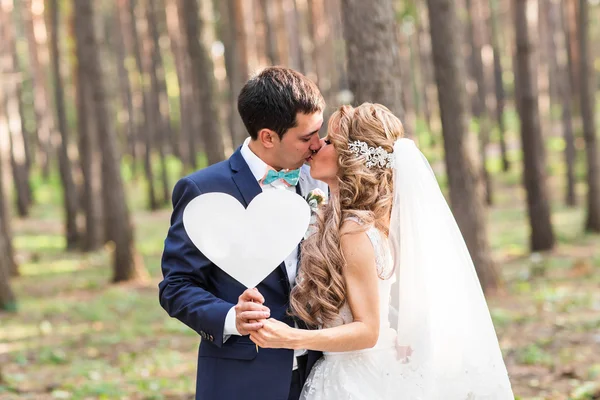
(272, 98)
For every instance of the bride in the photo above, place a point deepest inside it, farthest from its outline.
(386, 281)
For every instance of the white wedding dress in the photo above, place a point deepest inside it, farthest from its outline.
(378, 372)
(363, 374)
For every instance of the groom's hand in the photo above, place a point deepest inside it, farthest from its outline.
(249, 312)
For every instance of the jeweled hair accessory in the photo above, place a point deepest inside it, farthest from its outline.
(375, 156)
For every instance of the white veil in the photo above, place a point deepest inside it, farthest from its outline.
(437, 305)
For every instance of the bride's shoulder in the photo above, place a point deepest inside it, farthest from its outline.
(355, 244)
(350, 226)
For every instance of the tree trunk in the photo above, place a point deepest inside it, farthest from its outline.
(424, 50)
(563, 87)
(333, 10)
(5, 229)
(14, 111)
(8, 266)
(135, 121)
(281, 33)
(90, 158)
(572, 46)
(543, 67)
(127, 264)
(14, 108)
(159, 97)
(588, 105)
(122, 48)
(186, 116)
(534, 174)
(35, 31)
(372, 52)
(203, 80)
(8, 301)
(499, 85)
(251, 32)
(322, 50)
(65, 165)
(545, 16)
(477, 36)
(409, 96)
(149, 129)
(270, 32)
(466, 195)
(236, 63)
(291, 17)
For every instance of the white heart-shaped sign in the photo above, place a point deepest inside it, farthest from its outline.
(248, 244)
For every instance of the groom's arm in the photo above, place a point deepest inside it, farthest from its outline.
(183, 293)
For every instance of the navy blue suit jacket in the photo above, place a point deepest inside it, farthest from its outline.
(200, 294)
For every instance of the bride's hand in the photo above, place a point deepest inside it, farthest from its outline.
(275, 335)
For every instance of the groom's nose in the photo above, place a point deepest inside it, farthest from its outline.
(316, 144)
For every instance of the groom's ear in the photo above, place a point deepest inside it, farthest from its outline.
(268, 138)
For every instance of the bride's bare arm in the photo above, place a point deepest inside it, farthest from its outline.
(362, 291)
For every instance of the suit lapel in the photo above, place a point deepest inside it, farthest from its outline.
(243, 178)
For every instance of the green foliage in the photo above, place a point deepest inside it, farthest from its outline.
(587, 391)
(534, 355)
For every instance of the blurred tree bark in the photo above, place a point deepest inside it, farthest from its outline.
(319, 28)
(333, 9)
(292, 25)
(121, 43)
(534, 173)
(70, 196)
(202, 80)
(5, 228)
(159, 98)
(424, 53)
(89, 157)
(372, 51)
(127, 264)
(148, 129)
(466, 191)
(8, 301)
(188, 121)
(477, 36)
(543, 67)
(410, 97)
(571, 21)
(499, 84)
(38, 56)
(563, 87)
(233, 33)
(547, 33)
(269, 21)
(14, 107)
(588, 104)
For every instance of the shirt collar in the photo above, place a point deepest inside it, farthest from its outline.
(257, 166)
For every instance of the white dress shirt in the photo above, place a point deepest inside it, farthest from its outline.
(259, 168)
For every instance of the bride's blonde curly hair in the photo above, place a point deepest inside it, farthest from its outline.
(364, 192)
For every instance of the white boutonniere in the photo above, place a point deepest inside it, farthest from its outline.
(315, 199)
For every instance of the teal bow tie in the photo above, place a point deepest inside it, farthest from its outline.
(291, 177)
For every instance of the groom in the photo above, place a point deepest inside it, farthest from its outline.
(283, 113)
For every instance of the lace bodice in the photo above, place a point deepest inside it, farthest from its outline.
(385, 266)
